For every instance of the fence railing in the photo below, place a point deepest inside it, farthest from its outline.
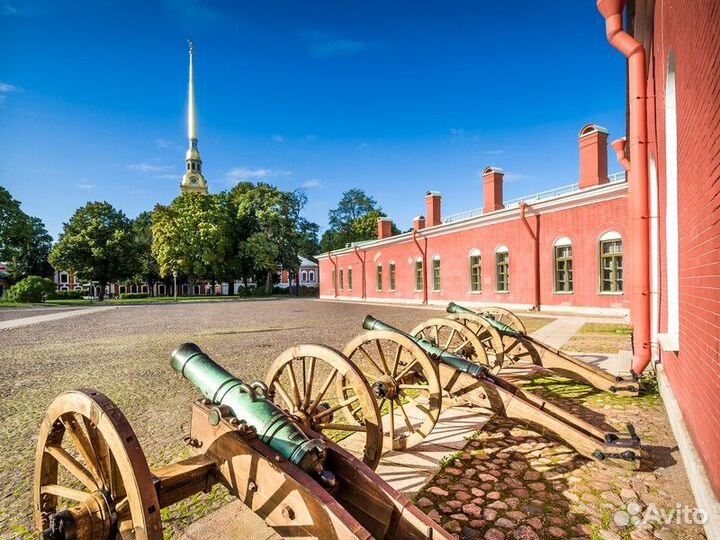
(535, 197)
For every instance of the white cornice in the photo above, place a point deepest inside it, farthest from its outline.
(584, 197)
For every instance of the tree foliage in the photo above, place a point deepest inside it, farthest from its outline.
(30, 289)
(353, 220)
(24, 242)
(96, 244)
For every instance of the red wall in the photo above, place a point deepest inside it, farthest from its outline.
(582, 224)
(690, 30)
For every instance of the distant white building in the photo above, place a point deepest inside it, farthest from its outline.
(308, 274)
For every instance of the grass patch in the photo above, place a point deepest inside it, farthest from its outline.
(606, 328)
(601, 338)
(533, 324)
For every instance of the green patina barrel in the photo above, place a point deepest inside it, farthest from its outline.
(504, 329)
(274, 427)
(476, 370)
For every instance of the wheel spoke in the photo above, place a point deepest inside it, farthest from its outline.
(72, 466)
(392, 419)
(396, 360)
(407, 369)
(461, 346)
(81, 442)
(293, 384)
(323, 389)
(414, 387)
(382, 356)
(102, 453)
(341, 427)
(284, 395)
(449, 341)
(437, 336)
(405, 417)
(65, 492)
(334, 408)
(310, 377)
(371, 360)
(122, 506)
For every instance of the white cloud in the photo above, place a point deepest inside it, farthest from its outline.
(515, 177)
(5, 89)
(163, 143)
(312, 183)
(496, 152)
(246, 173)
(325, 45)
(168, 176)
(85, 186)
(148, 168)
(278, 138)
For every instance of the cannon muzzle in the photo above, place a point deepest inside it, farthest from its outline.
(504, 329)
(249, 402)
(431, 349)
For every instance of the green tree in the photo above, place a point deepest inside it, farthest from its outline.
(30, 289)
(353, 220)
(271, 218)
(194, 237)
(97, 244)
(24, 242)
(146, 268)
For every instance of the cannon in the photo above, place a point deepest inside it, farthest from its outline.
(93, 482)
(415, 377)
(505, 343)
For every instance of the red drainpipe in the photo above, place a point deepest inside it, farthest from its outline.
(335, 276)
(362, 263)
(638, 197)
(424, 259)
(536, 255)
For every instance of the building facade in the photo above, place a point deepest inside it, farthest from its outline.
(560, 250)
(674, 106)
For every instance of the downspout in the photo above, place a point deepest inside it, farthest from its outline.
(423, 253)
(536, 255)
(335, 276)
(362, 265)
(639, 231)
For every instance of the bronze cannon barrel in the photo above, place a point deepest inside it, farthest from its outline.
(504, 329)
(249, 403)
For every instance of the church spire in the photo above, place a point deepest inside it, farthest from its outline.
(193, 181)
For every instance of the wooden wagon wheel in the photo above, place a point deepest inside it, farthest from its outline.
(504, 316)
(453, 337)
(490, 338)
(300, 380)
(404, 380)
(104, 489)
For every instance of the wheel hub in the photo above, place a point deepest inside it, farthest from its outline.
(385, 388)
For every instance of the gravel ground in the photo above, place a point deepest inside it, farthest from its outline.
(124, 353)
(7, 314)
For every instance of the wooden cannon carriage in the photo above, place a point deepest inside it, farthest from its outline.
(497, 338)
(92, 480)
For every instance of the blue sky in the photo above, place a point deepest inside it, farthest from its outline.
(395, 97)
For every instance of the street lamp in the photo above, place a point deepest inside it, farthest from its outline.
(175, 284)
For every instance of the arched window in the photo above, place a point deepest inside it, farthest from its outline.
(419, 274)
(350, 279)
(303, 276)
(475, 271)
(311, 275)
(436, 273)
(563, 265)
(391, 271)
(342, 281)
(502, 269)
(611, 263)
(671, 202)
(379, 277)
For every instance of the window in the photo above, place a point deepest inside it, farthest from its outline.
(475, 271)
(672, 255)
(563, 266)
(312, 276)
(392, 276)
(350, 279)
(333, 279)
(611, 263)
(419, 275)
(379, 277)
(436, 273)
(502, 269)
(63, 278)
(303, 276)
(342, 285)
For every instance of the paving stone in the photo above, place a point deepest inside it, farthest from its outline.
(494, 534)
(609, 535)
(474, 511)
(505, 523)
(434, 515)
(452, 526)
(470, 534)
(424, 502)
(525, 533)
(459, 517)
(556, 532)
(440, 492)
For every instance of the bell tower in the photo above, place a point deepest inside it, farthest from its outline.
(193, 180)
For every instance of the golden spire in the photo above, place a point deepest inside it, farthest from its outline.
(193, 181)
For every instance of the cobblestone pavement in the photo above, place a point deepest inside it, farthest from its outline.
(509, 483)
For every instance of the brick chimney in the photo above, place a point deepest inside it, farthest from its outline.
(593, 156)
(493, 181)
(432, 208)
(384, 228)
(418, 223)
